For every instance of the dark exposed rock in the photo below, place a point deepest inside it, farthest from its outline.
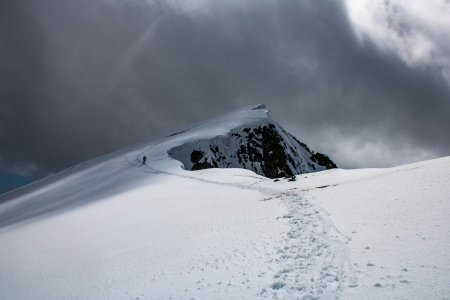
(323, 160)
(196, 156)
(265, 149)
(274, 157)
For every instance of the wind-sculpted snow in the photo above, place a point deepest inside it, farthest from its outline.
(262, 146)
(231, 234)
(259, 148)
(257, 245)
(118, 228)
(117, 172)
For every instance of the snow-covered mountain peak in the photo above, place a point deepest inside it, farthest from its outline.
(247, 138)
(252, 114)
(120, 227)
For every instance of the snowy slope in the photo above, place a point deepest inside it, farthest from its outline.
(167, 238)
(121, 170)
(111, 228)
(395, 224)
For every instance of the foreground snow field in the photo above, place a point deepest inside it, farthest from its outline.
(395, 223)
(114, 229)
(228, 233)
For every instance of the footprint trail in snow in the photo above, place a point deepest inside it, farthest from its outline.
(313, 260)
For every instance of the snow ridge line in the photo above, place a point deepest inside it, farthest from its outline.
(314, 261)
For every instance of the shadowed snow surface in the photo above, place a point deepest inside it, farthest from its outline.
(111, 228)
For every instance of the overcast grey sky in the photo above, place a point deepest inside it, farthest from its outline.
(366, 82)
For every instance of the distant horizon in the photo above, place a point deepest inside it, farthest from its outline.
(12, 181)
(366, 82)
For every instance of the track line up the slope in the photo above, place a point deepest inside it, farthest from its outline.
(314, 261)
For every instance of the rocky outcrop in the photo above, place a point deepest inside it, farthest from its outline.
(323, 160)
(265, 148)
(199, 163)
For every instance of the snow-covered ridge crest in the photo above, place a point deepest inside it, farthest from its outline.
(123, 170)
(118, 228)
(249, 139)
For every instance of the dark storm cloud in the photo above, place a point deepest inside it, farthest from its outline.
(81, 78)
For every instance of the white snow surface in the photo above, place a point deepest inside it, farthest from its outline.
(113, 229)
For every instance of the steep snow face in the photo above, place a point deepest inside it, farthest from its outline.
(257, 144)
